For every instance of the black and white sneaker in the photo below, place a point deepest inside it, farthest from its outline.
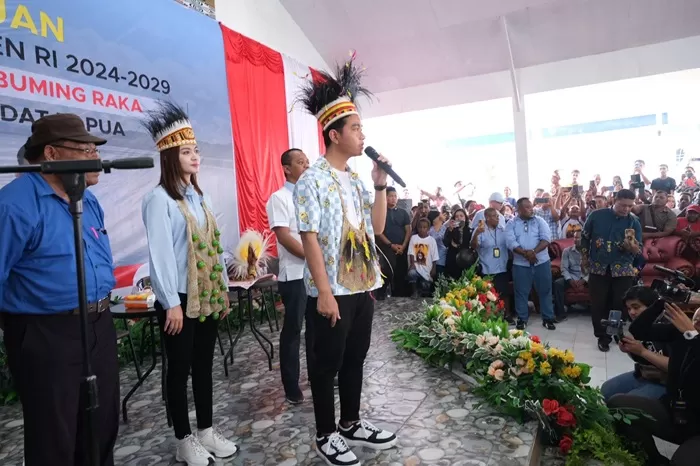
(364, 434)
(335, 451)
(520, 325)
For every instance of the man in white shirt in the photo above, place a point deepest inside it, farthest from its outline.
(496, 201)
(282, 217)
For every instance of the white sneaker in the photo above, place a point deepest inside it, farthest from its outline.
(191, 451)
(366, 434)
(335, 451)
(216, 444)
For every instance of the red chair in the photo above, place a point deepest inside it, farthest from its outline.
(668, 252)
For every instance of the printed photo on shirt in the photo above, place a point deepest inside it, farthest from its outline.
(420, 251)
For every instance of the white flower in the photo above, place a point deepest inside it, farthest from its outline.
(490, 296)
(450, 321)
(480, 340)
(498, 349)
(492, 340)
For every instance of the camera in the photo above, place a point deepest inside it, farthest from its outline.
(670, 290)
(614, 325)
(637, 182)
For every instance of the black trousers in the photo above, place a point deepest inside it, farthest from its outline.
(192, 348)
(339, 350)
(294, 299)
(606, 295)
(397, 274)
(642, 429)
(45, 357)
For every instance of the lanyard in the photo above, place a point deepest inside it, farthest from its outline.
(685, 365)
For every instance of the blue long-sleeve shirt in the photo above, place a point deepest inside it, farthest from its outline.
(37, 249)
(527, 234)
(442, 249)
(168, 241)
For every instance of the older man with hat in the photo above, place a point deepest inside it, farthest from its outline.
(496, 201)
(40, 301)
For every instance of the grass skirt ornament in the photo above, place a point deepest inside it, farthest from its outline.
(249, 256)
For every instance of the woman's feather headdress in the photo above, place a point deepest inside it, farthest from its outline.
(249, 256)
(169, 126)
(330, 98)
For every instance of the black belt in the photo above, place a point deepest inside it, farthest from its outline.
(100, 306)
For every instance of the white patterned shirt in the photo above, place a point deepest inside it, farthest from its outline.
(319, 209)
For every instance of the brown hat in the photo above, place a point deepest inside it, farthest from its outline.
(60, 126)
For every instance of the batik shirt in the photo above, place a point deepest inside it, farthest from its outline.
(319, 209)
(602, 238)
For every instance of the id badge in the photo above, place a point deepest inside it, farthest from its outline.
(496, 252)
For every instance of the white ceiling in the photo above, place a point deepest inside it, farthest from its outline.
(406, 43)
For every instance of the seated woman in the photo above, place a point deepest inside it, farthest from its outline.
(676, 416)
(457, 239)
(650, 358)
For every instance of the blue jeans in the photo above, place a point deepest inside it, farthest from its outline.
(628, 384)
(523, 278)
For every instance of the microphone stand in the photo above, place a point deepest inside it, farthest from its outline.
(72, 175)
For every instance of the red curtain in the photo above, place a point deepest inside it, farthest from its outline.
(255, 75)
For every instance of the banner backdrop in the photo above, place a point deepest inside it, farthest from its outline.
(108, 62)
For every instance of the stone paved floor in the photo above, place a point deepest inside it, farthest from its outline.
(431, 410)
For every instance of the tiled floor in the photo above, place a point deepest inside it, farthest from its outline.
(430, 409)
(576, 334)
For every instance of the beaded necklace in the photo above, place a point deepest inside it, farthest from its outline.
(205, 283)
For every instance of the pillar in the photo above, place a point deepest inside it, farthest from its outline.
(521, 159)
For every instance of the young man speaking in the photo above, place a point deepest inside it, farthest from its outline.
(337, 221)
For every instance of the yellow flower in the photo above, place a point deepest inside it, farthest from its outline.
(545, 368)
(529, 367)
(537, 348)
(569, 357)
(446, 313)
(572, 372)
(556, 353)
(526, 355)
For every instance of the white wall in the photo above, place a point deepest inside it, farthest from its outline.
(267, 22)
(624, 64)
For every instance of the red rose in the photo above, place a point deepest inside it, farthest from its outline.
(535, 338)
(565, 444)
(565, 418)
(468, 304)
(550, 406)
(501, 304)
(482, 299)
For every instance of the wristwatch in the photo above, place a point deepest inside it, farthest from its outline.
(690, 334)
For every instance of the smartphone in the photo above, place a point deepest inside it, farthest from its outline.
(610, 188)
(481, 223)
(630, 234)
(575, 191)
(592, 185)
(541, 200)
(636, 178)
(650, 229)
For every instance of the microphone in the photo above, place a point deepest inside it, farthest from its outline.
(82, 166)
(374, 155)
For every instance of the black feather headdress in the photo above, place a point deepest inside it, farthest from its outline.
(330, 98)
(169, 126)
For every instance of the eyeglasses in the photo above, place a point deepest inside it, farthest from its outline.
(95, 151)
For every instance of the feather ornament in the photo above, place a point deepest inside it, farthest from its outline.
(250, 255)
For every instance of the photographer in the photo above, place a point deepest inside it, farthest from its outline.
(676, 416)
(650, 358)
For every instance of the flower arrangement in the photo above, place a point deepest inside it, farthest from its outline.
(515, 372)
